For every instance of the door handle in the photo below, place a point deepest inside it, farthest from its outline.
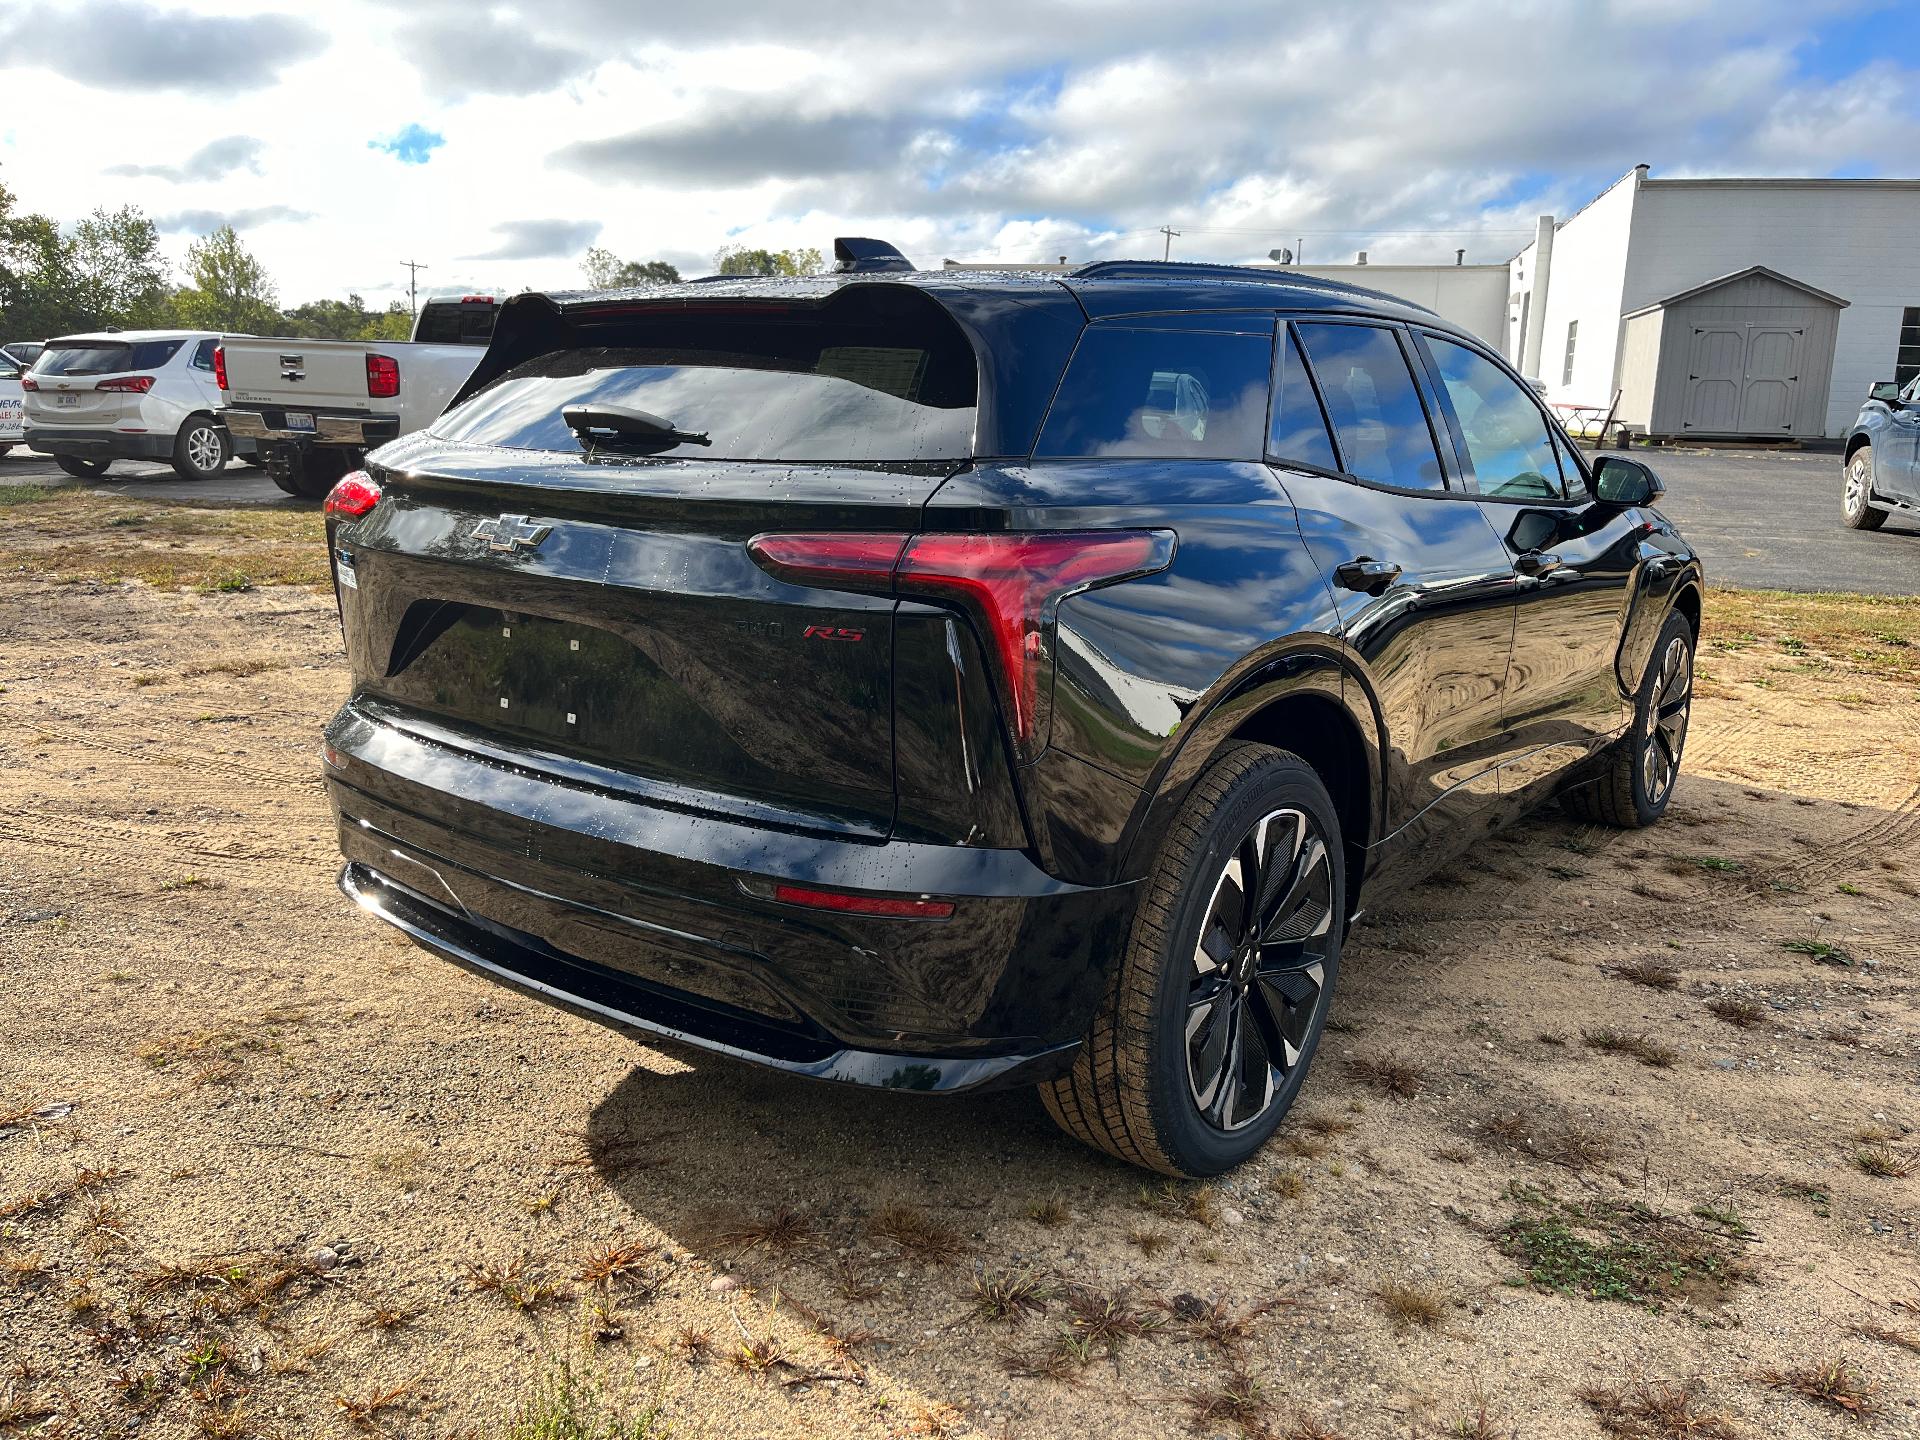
(1535, 564)
(1366, 574)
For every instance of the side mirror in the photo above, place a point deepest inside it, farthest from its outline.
(1626, 482)
(1885, 391)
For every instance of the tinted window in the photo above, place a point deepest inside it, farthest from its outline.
(1375, 409)
(1161, 392)
(455, 324)
(152, 354)
(85, 360)
(1506, 433)
(203, 355)
(871, 377)
(1299, 428)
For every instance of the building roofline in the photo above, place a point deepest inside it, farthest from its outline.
(1719, 280)
(1786, 182)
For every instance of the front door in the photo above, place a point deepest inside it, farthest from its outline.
(1898, 476)
(1433, 627)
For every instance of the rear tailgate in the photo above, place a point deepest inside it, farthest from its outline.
(319, 374)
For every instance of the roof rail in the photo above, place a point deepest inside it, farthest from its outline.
(1200, 270)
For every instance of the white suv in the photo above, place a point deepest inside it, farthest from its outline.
(132, 395)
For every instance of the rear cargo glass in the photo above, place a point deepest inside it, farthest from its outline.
(879, 374)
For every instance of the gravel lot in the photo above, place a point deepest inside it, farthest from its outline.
(266, 1169)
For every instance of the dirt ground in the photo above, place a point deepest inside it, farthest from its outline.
(1637, 1158)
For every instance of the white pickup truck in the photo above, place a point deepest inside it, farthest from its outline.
(315, 407)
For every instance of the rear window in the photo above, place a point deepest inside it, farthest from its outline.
(867, 378)
(1373, 403)
(107, 358)
(456, 324)
(1161, 393)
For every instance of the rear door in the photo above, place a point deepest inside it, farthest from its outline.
(1434, 627)
(1574, 561)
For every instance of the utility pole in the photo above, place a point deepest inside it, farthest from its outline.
(414, 267)
(1170, 233)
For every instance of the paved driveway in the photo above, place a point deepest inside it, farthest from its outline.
(1762, 518)
(1770, 519)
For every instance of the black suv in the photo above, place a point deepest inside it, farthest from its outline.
(941, 681)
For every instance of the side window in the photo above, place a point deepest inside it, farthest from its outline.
(1298, 430)
(1374, 405)
(1161, 392)
(203, 355)
(1506, 433)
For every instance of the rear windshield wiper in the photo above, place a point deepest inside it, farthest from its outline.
(620, 425)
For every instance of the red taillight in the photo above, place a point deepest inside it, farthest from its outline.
(383, 377)
(220, 366)
(476, 299)
(353, 496)
(128, 384)
(1011, 583)
(863, 904)
(27, 382)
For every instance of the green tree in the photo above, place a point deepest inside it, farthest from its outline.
(607, 271)
(227, 288)
(33, 275)
(116, 273)
(739, 260)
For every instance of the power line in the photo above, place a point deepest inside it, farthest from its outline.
(1169, 232)
(414, 267)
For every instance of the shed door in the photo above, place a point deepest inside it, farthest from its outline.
(1716, 371)
(1773, 380)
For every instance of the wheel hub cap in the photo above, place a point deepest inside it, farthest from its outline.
(1667, 713)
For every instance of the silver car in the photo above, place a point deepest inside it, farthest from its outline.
(130, 395)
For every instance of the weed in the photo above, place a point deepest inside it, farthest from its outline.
(1239, 1401)
(1883, 1162)
(1741, 1014)
(755, 1357)
(1325, 1124)
(1411, 1305)
(1106, 1317)
(1847, 888)
(1819, 951)
(1606, 1250)
(624, 1264)
(1148, 1242)
(364, 1411)
(1835, 1382)
(1181, 1202)
(1650, 973)
(692, 1344)
(1818, 1200)
(781, 1230)
(1715, 863)
(513, 1284)
(1051, 1213)
(848, 1280)
(1475, 1420)
(919, 1235)
(1726, 1217)
(565, 1404)
(185, 882)
(1646, 1051)
(1288, 1184)
(1009, 1296)
(1656, 1410)
(1062, 1358)
(1906, 1340)
(1217, 1324)
(1307, 1147)
(1391, 1076)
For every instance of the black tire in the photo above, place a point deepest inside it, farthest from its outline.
(316, 472)
(1138, 1088)
(285, 481)
(1639, 771)
(82, 469)
(201, 449)
(1857, 511)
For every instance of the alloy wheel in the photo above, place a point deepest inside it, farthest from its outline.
(1857, 483)
(1667, 721)
(203, 448)
(1259, 978)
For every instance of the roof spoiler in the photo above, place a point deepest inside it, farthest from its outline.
(857, 255)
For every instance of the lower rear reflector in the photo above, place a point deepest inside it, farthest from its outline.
(846, 904)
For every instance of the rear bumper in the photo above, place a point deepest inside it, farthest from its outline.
(640, 917)
(98, 444)
(351, 427)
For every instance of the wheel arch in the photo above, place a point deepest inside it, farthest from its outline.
(1858, 440)
(1689, 601)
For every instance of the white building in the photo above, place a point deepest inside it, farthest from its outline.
(1724, 307)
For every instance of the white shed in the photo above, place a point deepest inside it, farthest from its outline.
(1746, 354)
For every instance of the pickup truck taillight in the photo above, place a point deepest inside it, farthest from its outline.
(128, 384)
(383, 377)
(1010, 582)
(220, 366)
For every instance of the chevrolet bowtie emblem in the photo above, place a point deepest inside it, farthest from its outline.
(510, 532)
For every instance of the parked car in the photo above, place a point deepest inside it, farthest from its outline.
(1881, 463)
(129, 395)
(11, 417)
(23, 353)
(315, 407)
(943, 681)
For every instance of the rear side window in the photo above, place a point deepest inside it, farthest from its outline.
(203, 355)
(456, 324)
(1163, 393)
(870, 377)
(1374, 405)
(85, 360)
(1299, 427)
(1505, 432)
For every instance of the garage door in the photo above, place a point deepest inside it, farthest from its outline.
(1743, 379)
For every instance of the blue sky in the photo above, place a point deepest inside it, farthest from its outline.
(496, 143)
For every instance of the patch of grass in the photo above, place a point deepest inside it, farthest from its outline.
(755, 1357)
(1148, 1242)
(1817, 1200)
(1217, 1323)
(185, 882)
(1654, 974)
(1647, 1051)
(1883, 1162)
(1657, 1410)
(1835, 1383)
(1239, 1401)
(1288, 1184)
(1103, 1318)
(1178, 1201)
(781, 1230)
(513, 1284)
(1863, 634)
(918, 1235)
(1717, 863)
(1819, 951)
(1051, 1212)
(386, 1317)
(565, 1404)
(1608, 1250)
(1847, 888)
(622, 1263)
(1741, 1014)
(363, 1412)
(1407, 1304)
(1902, 1339)
(1321, 1124)
(1390, 1075)
(691, 1344)
(1006, 1297)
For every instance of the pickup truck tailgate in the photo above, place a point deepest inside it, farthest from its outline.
(329, 374)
